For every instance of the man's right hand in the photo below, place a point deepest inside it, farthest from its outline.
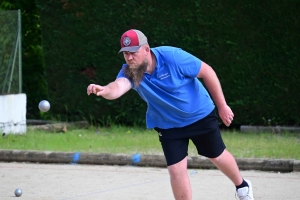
(97, 90)
(111, 91)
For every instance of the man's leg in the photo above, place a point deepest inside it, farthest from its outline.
(227, 164)
(180, 180)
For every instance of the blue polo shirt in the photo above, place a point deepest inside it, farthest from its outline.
(173, 93)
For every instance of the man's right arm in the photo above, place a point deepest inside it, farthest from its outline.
(111, 91)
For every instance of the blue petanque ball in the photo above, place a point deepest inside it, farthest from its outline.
(136, 158)
(76, 157)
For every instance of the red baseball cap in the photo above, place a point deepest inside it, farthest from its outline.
(132, 40)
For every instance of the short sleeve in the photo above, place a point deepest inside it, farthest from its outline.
(121, 74)
(188, 64)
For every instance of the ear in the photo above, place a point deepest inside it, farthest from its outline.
(147, 49)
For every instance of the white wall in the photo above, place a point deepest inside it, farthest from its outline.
(13, 113)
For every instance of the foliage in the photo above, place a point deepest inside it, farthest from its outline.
(9, 54)
(34, 83)
(253, 47)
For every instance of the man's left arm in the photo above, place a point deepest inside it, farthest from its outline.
(213, 85)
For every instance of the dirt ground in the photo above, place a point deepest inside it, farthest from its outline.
(89, 182)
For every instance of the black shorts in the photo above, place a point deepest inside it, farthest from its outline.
(205, 135)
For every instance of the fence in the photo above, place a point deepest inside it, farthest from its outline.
(12, 102)
(10, 52)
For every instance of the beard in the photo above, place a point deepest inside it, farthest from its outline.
(136, 73)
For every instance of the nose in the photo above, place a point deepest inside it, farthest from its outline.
(129, 56)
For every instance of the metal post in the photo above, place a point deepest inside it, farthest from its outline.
(20, 50)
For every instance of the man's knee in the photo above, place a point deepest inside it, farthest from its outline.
(219, 158)
(179, 168)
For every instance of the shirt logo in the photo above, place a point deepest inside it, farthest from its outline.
(164, 76)
(126, 41)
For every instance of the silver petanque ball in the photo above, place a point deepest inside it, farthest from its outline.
(44, 106)
(18, 192)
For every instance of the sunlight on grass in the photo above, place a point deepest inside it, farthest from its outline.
(125, 140)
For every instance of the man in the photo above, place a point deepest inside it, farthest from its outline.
(179, 107)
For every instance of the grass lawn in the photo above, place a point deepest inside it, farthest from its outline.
(130, 140)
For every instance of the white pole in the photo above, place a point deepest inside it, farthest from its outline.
(20, 50)
(13, 66)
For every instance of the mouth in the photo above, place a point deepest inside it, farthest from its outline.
(132, 65)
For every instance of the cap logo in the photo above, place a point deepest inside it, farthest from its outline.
(126, 41)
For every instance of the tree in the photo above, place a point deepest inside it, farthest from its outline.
(34, 84)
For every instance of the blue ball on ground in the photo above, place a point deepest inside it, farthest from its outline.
(136, 158)
(76, 157)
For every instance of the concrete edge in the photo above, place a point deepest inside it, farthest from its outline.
(272, 129)
(278, 165)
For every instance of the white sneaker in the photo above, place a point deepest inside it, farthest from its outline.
(245, 193)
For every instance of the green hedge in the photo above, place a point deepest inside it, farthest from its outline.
(253, 47)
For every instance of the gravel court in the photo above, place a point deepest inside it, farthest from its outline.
(89, 182)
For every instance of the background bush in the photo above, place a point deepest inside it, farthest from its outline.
(252, 45)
